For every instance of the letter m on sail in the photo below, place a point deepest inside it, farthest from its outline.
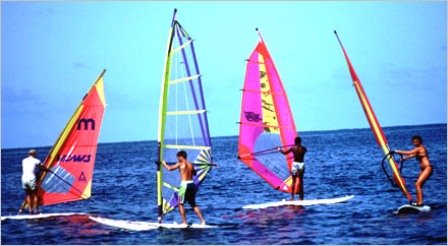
(86, 124)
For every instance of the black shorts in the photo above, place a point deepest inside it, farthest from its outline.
(187, 193)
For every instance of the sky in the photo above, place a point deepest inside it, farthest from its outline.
(51, 53)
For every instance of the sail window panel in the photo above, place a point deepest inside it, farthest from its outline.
(184, 97)
(185, 130)
(170, 154)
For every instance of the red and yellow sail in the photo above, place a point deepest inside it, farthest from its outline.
(375, 125)
(72, 158)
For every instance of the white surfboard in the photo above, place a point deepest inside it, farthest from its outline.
(37, 216)
(145, 226)
(299, 203)
(409, 209)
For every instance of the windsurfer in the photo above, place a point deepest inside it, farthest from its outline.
(187, 190)
(421, 154)
(29, 165)
(298, 166)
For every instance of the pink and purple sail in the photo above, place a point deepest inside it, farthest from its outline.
(266, 122)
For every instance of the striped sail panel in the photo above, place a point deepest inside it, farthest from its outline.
(375, 125)
(183, 118)
(72, 158)
(266, 121)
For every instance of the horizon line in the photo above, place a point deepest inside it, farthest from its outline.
(228, 136)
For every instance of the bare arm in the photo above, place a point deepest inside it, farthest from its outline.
(170, 168)
(408, 153)
(413, 152)
(43, 168)
(284, 151)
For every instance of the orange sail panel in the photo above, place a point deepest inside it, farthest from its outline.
(375, 125)
(266, 121)
(72, 158)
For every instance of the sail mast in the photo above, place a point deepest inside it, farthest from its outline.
(162, 115)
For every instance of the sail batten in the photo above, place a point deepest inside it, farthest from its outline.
(179, 147)
(183, 121)
(185, 112)
(266, 121)
(185, 79)
(375, 126)
(182, 46)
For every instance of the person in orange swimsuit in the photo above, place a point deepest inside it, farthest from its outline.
(421, 155)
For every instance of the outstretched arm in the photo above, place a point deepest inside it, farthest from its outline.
(170, 168)
(281, 150)
(409, 153)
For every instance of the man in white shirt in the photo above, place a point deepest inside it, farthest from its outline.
(29, 165)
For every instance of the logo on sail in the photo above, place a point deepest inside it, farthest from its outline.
(74, 158)
(253, 117)
(88, 124)
(82, 177)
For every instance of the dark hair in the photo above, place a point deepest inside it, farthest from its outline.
(298, 140)
(418, 138)
(182, 153)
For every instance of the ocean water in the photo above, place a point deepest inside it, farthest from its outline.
(338, 163)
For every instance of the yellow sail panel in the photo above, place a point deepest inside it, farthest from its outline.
(267, 102)
(100, 89)
(87, 191)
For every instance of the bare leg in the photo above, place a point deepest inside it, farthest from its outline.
(28, 201)
(35, 205)
(301, 192)
(293, 187)
(182, 213)
(199, 214)
(424, 175)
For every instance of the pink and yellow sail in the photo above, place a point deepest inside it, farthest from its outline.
(266, 121)
(375, 125)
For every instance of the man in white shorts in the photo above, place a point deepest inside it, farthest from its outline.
(298, 166)
(29, 165)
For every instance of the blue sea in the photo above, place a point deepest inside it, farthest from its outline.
(338, 163)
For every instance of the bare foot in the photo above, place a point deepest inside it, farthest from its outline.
(203, 222)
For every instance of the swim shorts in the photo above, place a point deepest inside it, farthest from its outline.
(296, 167)
(187, 192)
(29, 184)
